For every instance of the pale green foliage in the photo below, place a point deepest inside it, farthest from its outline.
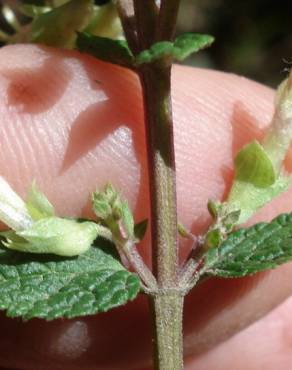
(249, 198)
(55, 235)
(35, 229)
(256, 181)
(38, 204)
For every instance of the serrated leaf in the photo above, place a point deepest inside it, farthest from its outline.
(190, 43)
(253, 165)
(180, 49)
(247, 251)
(52, 287)
(106, 49)
(58, 27)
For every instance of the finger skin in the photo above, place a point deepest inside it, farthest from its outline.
(264, 345)
(73, 124)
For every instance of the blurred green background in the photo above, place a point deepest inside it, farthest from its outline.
(253, 37)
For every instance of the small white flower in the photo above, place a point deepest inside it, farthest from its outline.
(279, 136)
(36, 229)
(13, 211)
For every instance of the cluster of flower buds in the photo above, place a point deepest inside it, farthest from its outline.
(114, 213)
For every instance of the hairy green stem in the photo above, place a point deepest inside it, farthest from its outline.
(167, 316)
(155, 80)
(134, 258)
(168, 301)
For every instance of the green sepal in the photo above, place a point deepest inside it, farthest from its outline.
(249, 198)
(256, 182)
(53, 235)
(51, 287)
(180, 49)
(38, 205)
(247, 251)
(58, 27)
(106, 49)
(253, 165)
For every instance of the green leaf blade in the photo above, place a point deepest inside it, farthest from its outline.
(190, 43)
(51, 287)
(179, 50)
(106, 49)
(248, 251)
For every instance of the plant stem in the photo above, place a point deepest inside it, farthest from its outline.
(168, 302)
(146, 15)
(155, 80)
(167, 19)
(167, 317)
(125, 10)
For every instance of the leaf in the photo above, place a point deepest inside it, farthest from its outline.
(55, 235)
(253, 165)
(140, 229)
(52, 287)
(38, 204)
(58, 27)
(247, 251)
(106, 49)
(189, 43)
(180, 49)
